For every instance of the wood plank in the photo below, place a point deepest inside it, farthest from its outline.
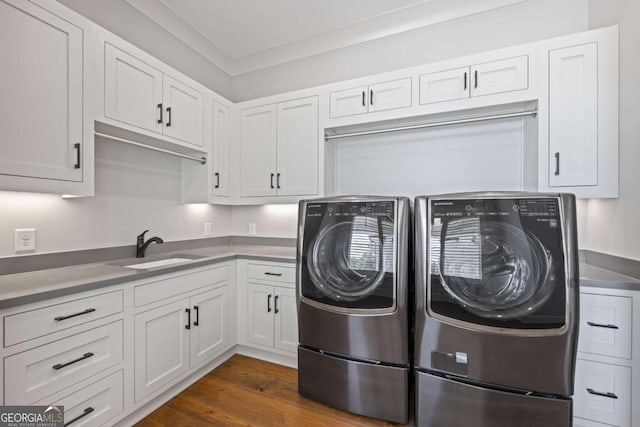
(248, 392)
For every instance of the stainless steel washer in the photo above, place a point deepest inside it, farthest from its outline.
(353, 304)
(496, 309)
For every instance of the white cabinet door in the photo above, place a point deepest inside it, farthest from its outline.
(208, 325)
(183, 107)
(132, 91)
(220, 150)
(41, 86)
(349, 102)
(605, 325)
(161, 347)
(500, 76)
(603, 393)
(444, 85)
(297, 147)
(258, 151)
(260, 304)
(390, 95)
(573, 116)
(286, 319)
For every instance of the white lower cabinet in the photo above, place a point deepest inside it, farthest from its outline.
(93, 405)
(607, 370)
(174, 338)
(603, 393)
(44, 370)
(272, 317)
(268, 318)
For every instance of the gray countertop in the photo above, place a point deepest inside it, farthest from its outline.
(23, 288)
(594, 277)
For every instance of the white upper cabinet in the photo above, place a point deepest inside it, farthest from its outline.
(297, 147)
(279, 149)
(368, 99)
(500, 76)
(489, 78)
(220, 150)
(183, 107)
(138, 93)
(133, 91)
(46, 87)
(573, 115)
(578, 142)
(258, 151)
(444, 85)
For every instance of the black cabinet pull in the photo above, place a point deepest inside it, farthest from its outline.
(602, 325)
(476, 79)
(76, 147)
(160, 108)
(275, 305)
(371, 97)
(188, 325)
(64, 365)
(465, 80)
(278, 180)
(272, 274)
(86, 412)
(197, 310)
(272, 181)
(269, 303)
(363, 100)
(557, 156)
(87, 311)
(217, 175)
(599, 393)
(169, 118)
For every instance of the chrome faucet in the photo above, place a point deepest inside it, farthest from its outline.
(141, 246)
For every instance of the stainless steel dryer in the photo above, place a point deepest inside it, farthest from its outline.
(496, 309)
(353, 308)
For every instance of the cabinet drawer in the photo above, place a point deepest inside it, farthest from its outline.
(605, 325)
(275, 273)
(166, 288)
(43, 321)
(93, 405)
(37, 373)
(603, 393)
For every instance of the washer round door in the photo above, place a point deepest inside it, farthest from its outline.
(492, 264)
(508, 278)
(350, 264)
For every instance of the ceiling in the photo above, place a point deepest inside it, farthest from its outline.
(241, 36)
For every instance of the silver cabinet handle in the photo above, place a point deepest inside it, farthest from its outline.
(557, 156)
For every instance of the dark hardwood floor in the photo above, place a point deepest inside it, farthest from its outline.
(249, 392)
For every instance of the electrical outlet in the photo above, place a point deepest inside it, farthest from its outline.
(207, 229)
(252, 229)
(25, 240)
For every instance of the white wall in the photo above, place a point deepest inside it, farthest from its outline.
(270, 220)
(127, 22)
(136, 189)
(508, 26)
(613, 226)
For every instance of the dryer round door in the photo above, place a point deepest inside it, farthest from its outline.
(494, 268)
(350, 264)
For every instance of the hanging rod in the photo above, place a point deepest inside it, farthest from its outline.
(436, 124)
(201, 160)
